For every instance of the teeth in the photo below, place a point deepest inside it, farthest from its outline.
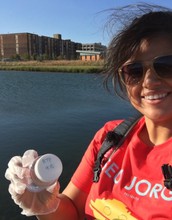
(152, 97)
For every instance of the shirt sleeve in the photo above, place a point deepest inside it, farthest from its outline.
(83, 176)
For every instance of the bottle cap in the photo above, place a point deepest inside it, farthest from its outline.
(48, 168)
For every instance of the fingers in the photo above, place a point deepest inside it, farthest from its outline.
(28, 157)
(14, 195)
(15, 165)
(32, 203)
(16, 186)
(15, 171)
(18, 172)
(18, 164)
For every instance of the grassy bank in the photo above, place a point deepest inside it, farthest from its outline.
(74, 66)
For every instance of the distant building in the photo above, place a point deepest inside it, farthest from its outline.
(32, 46)
(95, 51)
(89, 55)
(94, 47)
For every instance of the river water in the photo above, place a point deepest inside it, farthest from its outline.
(52, 113)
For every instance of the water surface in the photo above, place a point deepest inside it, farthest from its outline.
(51, 113)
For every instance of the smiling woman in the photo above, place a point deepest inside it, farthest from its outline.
(151, 94)
(131, 184)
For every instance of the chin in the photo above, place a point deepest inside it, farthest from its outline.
(158, 117)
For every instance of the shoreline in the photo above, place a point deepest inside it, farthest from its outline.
(73, 66)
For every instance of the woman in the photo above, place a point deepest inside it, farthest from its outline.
(131, 185)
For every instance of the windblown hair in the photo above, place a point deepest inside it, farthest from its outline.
(139, 22)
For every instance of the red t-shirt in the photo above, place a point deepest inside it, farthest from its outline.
(131, 182)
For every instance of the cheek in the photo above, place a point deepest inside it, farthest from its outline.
(168, 82)
(134, 95)
(132, 92)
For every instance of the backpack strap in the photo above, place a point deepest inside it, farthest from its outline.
(113, 138)
(167, 172)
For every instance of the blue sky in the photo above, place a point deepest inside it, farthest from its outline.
(77, 20)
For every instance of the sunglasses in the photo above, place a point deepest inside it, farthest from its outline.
(132, 73)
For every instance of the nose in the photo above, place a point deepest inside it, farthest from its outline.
(150, 78)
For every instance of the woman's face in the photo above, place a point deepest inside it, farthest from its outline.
(152, 96)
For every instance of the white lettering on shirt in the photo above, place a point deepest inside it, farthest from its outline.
(141, 187)
(118, 176)
(113, 168)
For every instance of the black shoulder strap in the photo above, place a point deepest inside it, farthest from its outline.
(113, 138)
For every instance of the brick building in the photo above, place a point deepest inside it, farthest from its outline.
(32, 46)
(90, 55)
(95, 51)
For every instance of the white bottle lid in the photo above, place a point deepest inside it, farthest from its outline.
(48, 168)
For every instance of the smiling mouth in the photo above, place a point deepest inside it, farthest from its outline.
(155, 97)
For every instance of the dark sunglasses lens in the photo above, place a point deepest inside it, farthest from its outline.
(163, 66)
(132, 73)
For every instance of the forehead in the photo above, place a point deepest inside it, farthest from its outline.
(154, 46)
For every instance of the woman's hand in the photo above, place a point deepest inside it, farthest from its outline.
(32, 203)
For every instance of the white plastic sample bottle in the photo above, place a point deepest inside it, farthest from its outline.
(44, 172)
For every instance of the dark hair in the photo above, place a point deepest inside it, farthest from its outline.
(148, 21)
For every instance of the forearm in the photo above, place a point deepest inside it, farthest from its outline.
(65, 211)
